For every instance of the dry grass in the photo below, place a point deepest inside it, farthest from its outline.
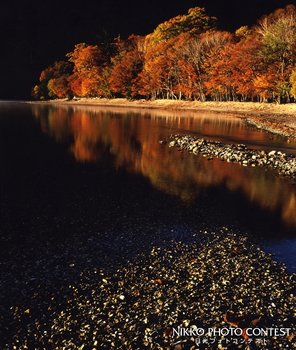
(239, 107)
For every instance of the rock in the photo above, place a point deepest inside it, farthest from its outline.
(284, 164)
(220, 279)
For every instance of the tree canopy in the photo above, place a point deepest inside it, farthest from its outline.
(185, 57)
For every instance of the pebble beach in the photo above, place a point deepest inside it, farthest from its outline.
(280, 162)
(222, 282)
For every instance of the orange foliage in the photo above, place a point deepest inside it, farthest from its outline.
(184, 58)
(89, 77)
(128, 63)
(59, 87)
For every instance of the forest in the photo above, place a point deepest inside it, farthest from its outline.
(184, 58)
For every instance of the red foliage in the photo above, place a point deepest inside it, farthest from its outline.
(184, 59)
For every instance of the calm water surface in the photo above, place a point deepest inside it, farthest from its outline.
(83, 168)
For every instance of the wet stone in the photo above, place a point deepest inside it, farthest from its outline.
(281, 163)
(222, 280)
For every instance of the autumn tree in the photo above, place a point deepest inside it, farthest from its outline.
(278, 35)
(59, 87)
(167, 71)
(161, 76)
(185, 57)
(52, 77)
(127, 64)
(90, 75)
(194, 22)
(293, 83)
(198, 50)
(245, 65)
(219, 74)
(265, 85)
(39, 93)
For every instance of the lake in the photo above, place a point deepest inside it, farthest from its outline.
(82, 168)
(87, 188)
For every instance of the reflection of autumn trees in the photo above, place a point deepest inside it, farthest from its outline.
(185, 57)
(132, 141)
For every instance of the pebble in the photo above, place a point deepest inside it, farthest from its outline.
(224, 279)
(282, 163)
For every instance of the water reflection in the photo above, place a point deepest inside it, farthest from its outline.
(131, 139)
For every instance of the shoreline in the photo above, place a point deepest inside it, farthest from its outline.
(98, 260)
(273, 118)
(281, 163)
(222, 280)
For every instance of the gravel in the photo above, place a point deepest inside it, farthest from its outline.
(282, 163)
(220, 280)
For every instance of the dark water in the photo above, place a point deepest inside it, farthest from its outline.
(67, 172)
